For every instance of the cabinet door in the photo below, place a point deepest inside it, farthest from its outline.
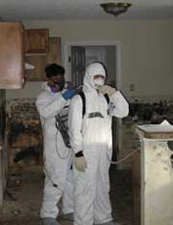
(11, 55)
(39, 61)
(36, 41)
(54, 55)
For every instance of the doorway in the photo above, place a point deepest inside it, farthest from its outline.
(79, 55)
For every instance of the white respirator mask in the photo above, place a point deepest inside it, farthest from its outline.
(99, 83)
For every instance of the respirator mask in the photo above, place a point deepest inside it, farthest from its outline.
(98, 83)
(58, 86)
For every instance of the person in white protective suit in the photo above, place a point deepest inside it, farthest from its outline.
(52, 101)
(91, 141)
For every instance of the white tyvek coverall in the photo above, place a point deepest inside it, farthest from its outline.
(57, 167)
(93, 135)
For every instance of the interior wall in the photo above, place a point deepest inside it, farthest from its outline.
(147, 51)
(31, 90)
(3, 150)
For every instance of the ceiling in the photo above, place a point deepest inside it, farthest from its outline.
(24, 10)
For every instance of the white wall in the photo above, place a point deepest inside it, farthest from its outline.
(31, 90)
(147, 51)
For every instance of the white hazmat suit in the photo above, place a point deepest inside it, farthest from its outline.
(92, 134)
(58, 174)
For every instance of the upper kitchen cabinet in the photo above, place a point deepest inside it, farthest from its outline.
(40, 61)
(36, 41)
(11, 55)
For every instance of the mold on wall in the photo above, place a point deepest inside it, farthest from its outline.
(24, 135)
(151, 110)
(3, 150)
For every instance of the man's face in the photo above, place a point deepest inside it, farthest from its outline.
(99, 81)
(56, 83)
(99, 77)
(53, 80)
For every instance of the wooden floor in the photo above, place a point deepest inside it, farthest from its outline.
(22, 203)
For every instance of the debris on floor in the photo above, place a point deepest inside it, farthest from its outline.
(24, 192)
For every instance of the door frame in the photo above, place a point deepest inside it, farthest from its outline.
(118, 56)
(67, 53)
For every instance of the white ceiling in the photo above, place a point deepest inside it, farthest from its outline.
(15, 10)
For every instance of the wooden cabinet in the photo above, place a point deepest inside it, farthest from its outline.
(39, 61)
(11, 55)
(54, 55)
(36, 41)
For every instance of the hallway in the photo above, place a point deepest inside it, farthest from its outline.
(23, 197)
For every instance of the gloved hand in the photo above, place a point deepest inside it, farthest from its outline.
(69, 94)
(80, 162)
(106, 89)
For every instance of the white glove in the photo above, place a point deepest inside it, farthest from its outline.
(106, 89)
(80, 163)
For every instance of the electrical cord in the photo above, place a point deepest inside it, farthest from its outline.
(123, 159)
(50, 179)
(60, 155)
(58, 151)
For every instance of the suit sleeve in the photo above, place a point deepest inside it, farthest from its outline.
(75, 122)
(119, 105)
(48, 107)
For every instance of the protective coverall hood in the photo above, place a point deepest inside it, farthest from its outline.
(45, 87)
(92, 70)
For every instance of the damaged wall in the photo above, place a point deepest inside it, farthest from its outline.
(146, 110)
(24, 129)
(3, 150)
(24, 136)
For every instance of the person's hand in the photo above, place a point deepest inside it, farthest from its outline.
(69, 94)
(106, 89)
(80, 162)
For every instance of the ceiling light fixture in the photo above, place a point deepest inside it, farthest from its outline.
(115, 8)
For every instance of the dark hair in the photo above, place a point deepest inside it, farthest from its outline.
(54, 70)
